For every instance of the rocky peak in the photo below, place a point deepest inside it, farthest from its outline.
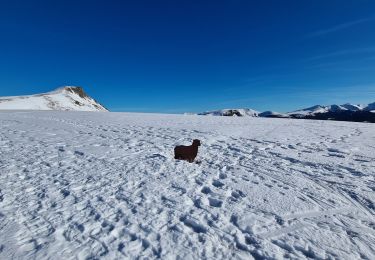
(76, 90)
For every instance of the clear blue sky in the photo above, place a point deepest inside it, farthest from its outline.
(191, 56)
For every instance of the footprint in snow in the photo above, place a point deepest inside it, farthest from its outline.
(206, 190)
(222, 176)
(245, 178)
(215, 202)
(237, 194)
(193, 224)
(78, 153)
(217, 184)
(65, 193)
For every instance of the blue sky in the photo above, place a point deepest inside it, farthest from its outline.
(191, 56)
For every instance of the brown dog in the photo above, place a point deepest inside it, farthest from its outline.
(187, 153)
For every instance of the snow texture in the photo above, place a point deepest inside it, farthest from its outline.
(65, 98)
(105, 186)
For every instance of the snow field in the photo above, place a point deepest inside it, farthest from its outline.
(105, 185)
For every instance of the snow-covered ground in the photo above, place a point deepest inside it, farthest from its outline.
(105, 185)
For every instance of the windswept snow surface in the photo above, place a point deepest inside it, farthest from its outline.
(105, 185)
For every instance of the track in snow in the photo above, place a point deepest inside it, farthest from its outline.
(105, 185)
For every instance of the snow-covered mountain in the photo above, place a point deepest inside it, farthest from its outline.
(370, 107)
(332, 108)
(352, 107)
(345, 112)
(64, 98)
(244, 112)
(310, 110)
(232, 112)
(273, 114)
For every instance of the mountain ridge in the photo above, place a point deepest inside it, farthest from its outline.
(345, 112)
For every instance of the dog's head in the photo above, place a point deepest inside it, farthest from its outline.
(196, 142)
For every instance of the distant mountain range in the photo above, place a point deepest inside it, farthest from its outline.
(318, 109)
(345, 112)
(69, 98)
